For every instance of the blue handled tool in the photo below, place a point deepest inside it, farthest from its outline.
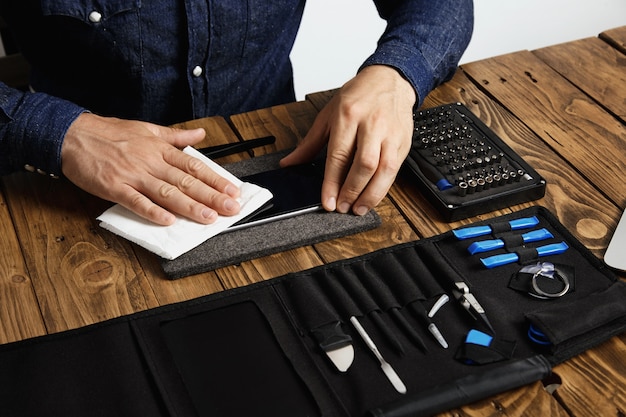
(507, 258)
(475, 231)
(487, 245)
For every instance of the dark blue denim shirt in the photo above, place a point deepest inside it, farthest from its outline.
(168, 61)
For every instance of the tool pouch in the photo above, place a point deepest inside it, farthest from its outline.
(258, 350)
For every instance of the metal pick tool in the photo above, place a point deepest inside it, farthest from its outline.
(387, 369)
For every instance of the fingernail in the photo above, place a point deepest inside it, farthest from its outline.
(331, 204)
(361, 210)
(209, 214)
(344, 208)
(168, 219)
(231, 205)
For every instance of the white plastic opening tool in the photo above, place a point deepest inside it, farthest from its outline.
(615, 255)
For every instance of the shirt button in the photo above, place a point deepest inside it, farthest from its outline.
(29, 168)
(95, 17)
(197, 71)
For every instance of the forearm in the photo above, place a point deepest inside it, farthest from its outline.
(32, 128)
(424, 40)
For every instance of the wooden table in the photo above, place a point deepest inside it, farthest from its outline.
(562, 108)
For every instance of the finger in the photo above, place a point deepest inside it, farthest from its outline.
(197, 169)
(362, 170)
(188, 195)
(380, 183)
(144, 207)
(338, 159)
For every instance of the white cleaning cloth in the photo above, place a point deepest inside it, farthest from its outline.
(172, 241)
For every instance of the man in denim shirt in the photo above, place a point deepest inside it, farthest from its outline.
(106, 75)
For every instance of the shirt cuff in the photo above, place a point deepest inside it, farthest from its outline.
(37, 130)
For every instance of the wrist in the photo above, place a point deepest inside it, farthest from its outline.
(395, 79)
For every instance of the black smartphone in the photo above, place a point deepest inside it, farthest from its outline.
(296, 190)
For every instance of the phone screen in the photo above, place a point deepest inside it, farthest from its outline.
(295, 189)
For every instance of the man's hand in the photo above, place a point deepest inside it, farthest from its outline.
(368, 126)
(139, 166)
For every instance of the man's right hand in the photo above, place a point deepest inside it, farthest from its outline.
(140, 166)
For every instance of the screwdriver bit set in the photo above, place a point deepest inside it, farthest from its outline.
(464, 168)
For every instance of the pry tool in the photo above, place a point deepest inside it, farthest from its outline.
(475, 231)
(507, 258)
(488, 245)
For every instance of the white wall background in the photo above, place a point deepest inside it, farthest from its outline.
(337, 35)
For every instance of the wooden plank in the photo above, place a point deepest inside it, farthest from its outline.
(565, 118)
(81, 273)
(601, 374)
(616, 37)
(20, 316)
(289, 123)
(594, 67)
(321, 98)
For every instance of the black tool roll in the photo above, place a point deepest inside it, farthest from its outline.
(267, 349)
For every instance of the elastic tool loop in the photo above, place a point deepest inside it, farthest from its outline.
(537, 336)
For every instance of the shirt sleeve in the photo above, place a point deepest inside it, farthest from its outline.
(32, 128)
(424, 40)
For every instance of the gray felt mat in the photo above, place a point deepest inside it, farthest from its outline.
(254, 242)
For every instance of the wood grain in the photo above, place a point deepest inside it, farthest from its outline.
(20, 317)
(565, 118)
(321, 98)
(616, 37)
(289, 123)
(82, 273)
(600, 374)
(596, 68)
